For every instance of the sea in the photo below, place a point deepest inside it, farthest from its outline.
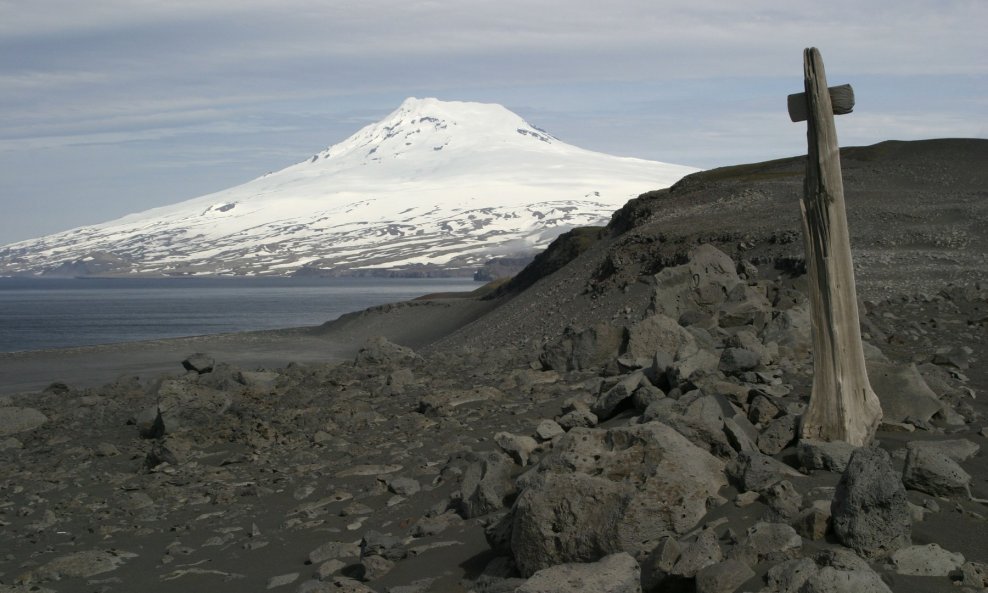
(42, 313)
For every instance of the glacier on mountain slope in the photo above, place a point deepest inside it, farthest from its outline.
(435, 184)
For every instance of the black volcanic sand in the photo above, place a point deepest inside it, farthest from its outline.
(299, 444)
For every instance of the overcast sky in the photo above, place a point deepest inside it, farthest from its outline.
(114, 106)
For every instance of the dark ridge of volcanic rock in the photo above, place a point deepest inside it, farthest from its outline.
(917, 212)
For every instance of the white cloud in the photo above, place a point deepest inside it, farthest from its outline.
(700, 82)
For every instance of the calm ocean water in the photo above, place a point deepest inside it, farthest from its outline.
(39, 314)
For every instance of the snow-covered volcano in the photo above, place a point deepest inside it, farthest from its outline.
(435, 185)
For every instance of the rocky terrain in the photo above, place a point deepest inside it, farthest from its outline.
(621, 417)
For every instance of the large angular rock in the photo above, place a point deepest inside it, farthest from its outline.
(704, 282)
(519, 447)
(660, 333)
(84, 564)
(610, 401)
(697, 553)
(931, 471)
(734, 361)
(870, 512)
(14, 420)
(184, 404)
(723, 577)
(745, 306)
(571, 517)
(617, 573)
(790, 575)
(957, 449)
(778, 434)
(768, 541)
(486, 484)
(379, 351)
(698, 417)
(603, 491)
(199, 363)
(829, 456)
(835, 571)
(832, 580)
(902, 392)
(589, 348)
(790, 330)
(756, 472)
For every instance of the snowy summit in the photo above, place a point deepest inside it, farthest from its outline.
(434, 186)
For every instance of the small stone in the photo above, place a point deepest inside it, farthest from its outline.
(778, 435)
(199, 363)
(783, 499)
(702, 551)
(740, 433)
(519, 447)
(738, 360)
(762, 410)
(832, 580)
(282, 580)
(374, 567)
(957, 449)
(617, 573)
(609, 402)
(755, 471)
(974, 574)
(930, 560)
(106, 450)
(329, 568)
(404, 486)
(890, 426)
(331, 550)
(812, 522)
(578, 418)
(381, 544)
(768, 541)
(830, 456)
(747, 498)
(84, 564)
(548, 429)
(788, 576)
(14, 420)
(723, 577)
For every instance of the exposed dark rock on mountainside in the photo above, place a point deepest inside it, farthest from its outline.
(621, 417)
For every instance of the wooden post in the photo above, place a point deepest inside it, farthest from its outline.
(843, 406)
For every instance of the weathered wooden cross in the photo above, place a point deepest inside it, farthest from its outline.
(843, 406)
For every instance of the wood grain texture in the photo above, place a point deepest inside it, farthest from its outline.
(843, 406)
(841, 101)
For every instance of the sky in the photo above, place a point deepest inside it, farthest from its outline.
(109, 107)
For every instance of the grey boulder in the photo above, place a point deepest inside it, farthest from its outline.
(617, 573)
(14, 420)
(603, 491)
(870, 512)
(931, 471)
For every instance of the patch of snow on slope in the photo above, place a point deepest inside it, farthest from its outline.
(434, 182)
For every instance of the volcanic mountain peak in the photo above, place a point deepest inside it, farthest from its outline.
(437, 134)
(435, 184)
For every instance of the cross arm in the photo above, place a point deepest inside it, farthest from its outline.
(841, 97)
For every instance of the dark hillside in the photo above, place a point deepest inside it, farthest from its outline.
(917, 213)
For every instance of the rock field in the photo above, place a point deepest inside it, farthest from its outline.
(627, 422)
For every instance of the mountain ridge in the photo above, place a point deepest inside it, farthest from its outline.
(434, 186)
